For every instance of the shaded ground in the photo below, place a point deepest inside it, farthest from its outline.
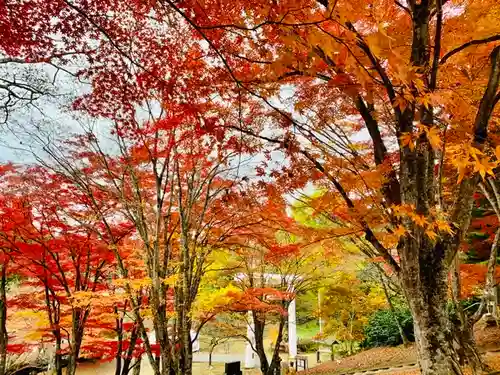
(389, 357)
(373, 358)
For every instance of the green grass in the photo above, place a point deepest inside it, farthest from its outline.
(307, 331)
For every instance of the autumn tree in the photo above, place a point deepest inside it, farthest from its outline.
(391, 103)
(275, 259)
(63, 262)
(409, 80)
(171, 177)
(489, 300)
(12, 216)
(346, 306)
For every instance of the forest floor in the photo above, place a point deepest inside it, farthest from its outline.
(401, 360)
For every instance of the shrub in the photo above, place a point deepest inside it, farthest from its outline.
(382, 330)
(307, 346)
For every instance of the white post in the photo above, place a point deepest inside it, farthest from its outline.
(292, 331)
(319, 311)
(249, 353)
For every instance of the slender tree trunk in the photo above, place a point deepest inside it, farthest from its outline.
(404, 339)
(58, 363)
(119, 334)
(210, 355)
(259, 325)
(489, 288)
(137, 366)
(3, 319)
(275, 365)
(79, 317)
(128, 358)
(461, 326)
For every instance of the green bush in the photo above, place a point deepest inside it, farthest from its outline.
(382, 330)
(307, 346)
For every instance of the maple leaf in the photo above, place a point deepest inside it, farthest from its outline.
(407, 141)
(431, 234)
(434, 137)
(420, 220)
(443, 226)
(400, 102)
(474, 152)
(424, 100)
(484, 167)
(400, 231)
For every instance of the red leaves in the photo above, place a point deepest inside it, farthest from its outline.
(474, 277)
(259, 299)
(279, 252)
(19, 348)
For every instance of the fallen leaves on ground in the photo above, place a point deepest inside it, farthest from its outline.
(385, 357)
(490, 359)
(487, 338)
(372, 358)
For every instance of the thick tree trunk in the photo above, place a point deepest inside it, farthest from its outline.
(424, 278)
(3, 319)
(186, 345)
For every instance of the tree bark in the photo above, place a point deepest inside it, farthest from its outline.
(128, 358)
(462, 326)
(259, 325)
(58, 363)
(3, 319)
(79, 317)
(275, 365)
(137, 366)
(119, 334)
(424, 278)
(404, 339)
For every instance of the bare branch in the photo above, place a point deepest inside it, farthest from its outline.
(468, 44)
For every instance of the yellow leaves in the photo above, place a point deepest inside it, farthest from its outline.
(81, 299)
(484, 167)
(209, 299)
(432, 225)
(475, 152)
(466, 157)
(400, 231)
(443, 226)
(419, 220)
(424, 100)
(497, 152)
(400, 102)
(434, 137)
(171, 280)
(431, 234)
(407, 140)
(135, 284)
(402, 210)
(373, 42)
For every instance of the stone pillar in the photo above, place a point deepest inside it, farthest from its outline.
(292, 330)
(250, 355)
